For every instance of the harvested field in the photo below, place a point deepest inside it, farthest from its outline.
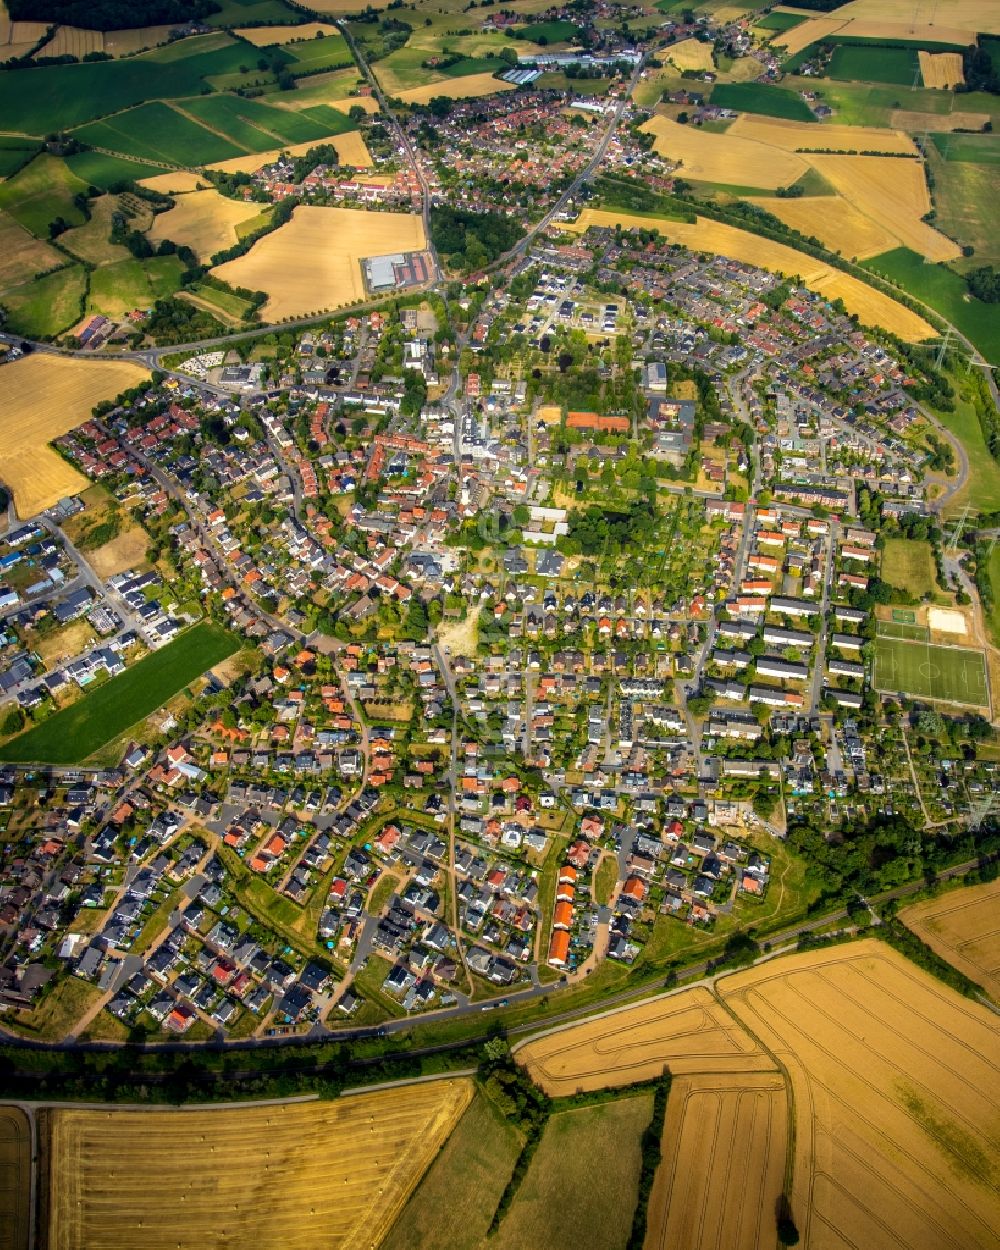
(264, 36)
(724, 158)
(464, 88)
(906, 120)
(176, 182)
(127, 42)
(312, 263)
(204, 221)
(351, 149)
(691, 54)
(897, 1103)
(15, 1178)
(963, 927)
(127, 551)
(893, 193)
(871, 306)
(795, 136)
(689, 1032)
(21, 254)
(72, 41)
(724, 1143)
(956, 22)
(42, 397)
(837, 224)
(273, 1178)
(941, 69)
(807, 32)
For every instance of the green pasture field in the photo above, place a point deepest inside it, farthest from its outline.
(551, 32)
(781, 21)
(748, 97)
(14, 153)
(158, 132)
(330, 52)
(48, 305)
(945, 291)
(993, 614)
(982, 490)
(261, 126)
(60, 97)
(858, 63)
(966, 194)
(40, 192)
(925, 671)
(97, 169)
(226, 302)
(129, 284)
(472, 65)
(979, 149)
(101, 715)
(908, 564)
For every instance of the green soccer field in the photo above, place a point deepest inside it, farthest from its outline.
(946, 674)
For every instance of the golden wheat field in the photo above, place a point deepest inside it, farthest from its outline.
(464, 88)
(892, 192)
(204, 221)
(351, 150)
(723, 1168)
(176, 182)
(941, 69)
(871, 306)
(722, 157)
(15, 1178)
(957, 21)
(41, 398)
(837, 224)
(690, 54)
(315, 1175)
(264, 36)
(21, 254)
(963, 927)
(807, 32)
(690, 1032)
(897, 1105)
(312, 262)
(794, 136)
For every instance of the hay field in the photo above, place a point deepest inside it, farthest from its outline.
(73, 41)
(963, 927)
(897, 1102)
(779, 132)
(21, 254)
(690, 54)
(724, 158)
(174, 183)
(689, 1031)
(724, 1143)
(15, 1178)
(41, 398)
(941, 69)
(311, 263)
(264, 36)
(351, 149)
(805, 33)
(907, 120)
(837, 224)
(204, 221)
(892, 192)
(465, 88)
(126, 42)
(317, 1175)
(871, 306)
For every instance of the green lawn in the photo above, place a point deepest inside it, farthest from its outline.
(966, 193)
(330, 52)
(945, 291)
(748, 97)
(859, 104)
(909, 566)
(49, 305)
(949, 674)
(70, 736)
(130, 284)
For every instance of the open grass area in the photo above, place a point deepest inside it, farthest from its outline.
(57, 1010)
(69, 736)
(945, 674)
(550, 32)
(908, 565)
(897, 66)
(966, 193)
(747, 97)
(129, 284)
(48, 305)
(97, 169)
(979, 149)
(993, 615)
(454, 1202)
(945, 291)
(781, 21)
(40, 192)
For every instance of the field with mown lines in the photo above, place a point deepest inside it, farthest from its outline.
(41, 398)
(963, 927)
(941, 69)
(896, 1099)
(688, 1032)
(15, 1178)
(704, 235)
(723, 1166)
(316, 1175)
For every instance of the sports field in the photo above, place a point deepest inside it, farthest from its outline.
(294, 1175)
(963, 927)
(69, 736)
(925, 671)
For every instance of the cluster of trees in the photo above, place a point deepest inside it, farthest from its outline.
(984, 283)
(472, 240)
(176, 321)
(111, 14)
(981, 72)
(594, 530)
